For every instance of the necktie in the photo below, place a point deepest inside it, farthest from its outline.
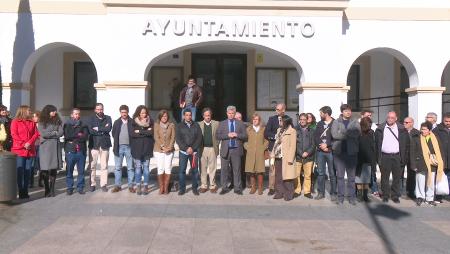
(232, 141)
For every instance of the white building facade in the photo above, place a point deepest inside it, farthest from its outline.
(380, 55)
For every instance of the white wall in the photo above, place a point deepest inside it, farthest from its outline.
(49, 80)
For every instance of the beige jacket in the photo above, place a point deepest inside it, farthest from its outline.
(169, 141)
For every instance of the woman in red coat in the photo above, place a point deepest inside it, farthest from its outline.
(24, 134)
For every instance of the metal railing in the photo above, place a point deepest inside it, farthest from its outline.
(376, 103)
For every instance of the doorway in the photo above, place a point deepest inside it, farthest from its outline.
(223, 80)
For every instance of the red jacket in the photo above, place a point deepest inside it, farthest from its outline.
(24, 131)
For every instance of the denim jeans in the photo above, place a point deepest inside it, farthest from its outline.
(182, 171)
(345, 164)
(324, 161)
(373, 181)
(124, 152)
(142, 165)
(193, 110)
(23, 173)
(73, 159)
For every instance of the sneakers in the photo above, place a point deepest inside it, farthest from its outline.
(131, 189)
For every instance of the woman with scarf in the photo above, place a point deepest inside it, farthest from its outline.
(284, 153)
(50, 156)
(163, 150)
(142, 147)
(426, 161)
(24, 133)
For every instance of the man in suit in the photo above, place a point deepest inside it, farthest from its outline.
(269, 133)
(408, 122)
(232, 134)
(209, 152)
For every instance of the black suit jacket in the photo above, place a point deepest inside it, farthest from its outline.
(222, 135)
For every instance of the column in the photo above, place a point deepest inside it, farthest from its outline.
(422, 100)
(313, 96)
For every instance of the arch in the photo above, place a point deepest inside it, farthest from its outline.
(225, 42)
(404, 60)
(31, 61)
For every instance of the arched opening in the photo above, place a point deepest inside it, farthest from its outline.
(61, 74)
(378, 79)
(445, 82)
(251, 77)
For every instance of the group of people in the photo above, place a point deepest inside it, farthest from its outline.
(301, 156)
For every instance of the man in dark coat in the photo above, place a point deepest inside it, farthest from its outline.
(392, 151)
(269, 133)
(408, 122)
(99, 143)
(76, 135)
(442, 132)
(121, 131)
(189, 137)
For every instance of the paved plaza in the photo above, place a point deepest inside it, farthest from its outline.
(126, 223)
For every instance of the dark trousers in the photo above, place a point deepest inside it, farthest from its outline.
(73, 159)
(391, 164)
(23, 165)
(410, 182)
(324, 161)
(345, 163)
(283, 188)
(231, 164)
(184, 159)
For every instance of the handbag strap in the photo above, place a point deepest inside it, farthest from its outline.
(393, 133)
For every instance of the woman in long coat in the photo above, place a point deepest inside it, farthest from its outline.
(256, 146)
(50, 157)
(284, 153)
(426, 161)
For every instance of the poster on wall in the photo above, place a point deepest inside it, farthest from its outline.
(270, 88)
(293, 80)
(166, 85)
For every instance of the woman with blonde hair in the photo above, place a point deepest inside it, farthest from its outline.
(24, 134)
(163, 150)
(426, 161)
(256, 146)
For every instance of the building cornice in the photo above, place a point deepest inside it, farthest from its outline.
(323, 86)
(424, 89)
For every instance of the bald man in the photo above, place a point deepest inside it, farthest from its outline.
(391, 142)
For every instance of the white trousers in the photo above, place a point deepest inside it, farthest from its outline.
(163, 162)
(422, 189)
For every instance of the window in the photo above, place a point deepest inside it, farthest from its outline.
(276, 85)
(353, 98)
(85, 76)
(166, 85)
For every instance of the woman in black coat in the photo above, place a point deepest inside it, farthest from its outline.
(142, 143)
(366, 159)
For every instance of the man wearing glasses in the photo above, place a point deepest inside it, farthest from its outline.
(269, 133)
(432, 118)
(411, 174)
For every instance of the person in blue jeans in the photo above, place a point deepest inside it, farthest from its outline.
(76, 134)
(191, 97)
(324, 155)
(188, 136)
(121, 132)
(142, 143)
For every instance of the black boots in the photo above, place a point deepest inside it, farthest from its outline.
(49, 183)
(52, 186)
(365, 197)
(359, 195)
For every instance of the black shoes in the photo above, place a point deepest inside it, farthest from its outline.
(224, 191)
(104, 189)
(181, 192)
(195, 191)
(385, 200)
(396, 200)
(308, 196)
(92, 189)
(69, 192)
(238, 192)
(271, 192)
(319, 196)
(81, 192)
(419, 201)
